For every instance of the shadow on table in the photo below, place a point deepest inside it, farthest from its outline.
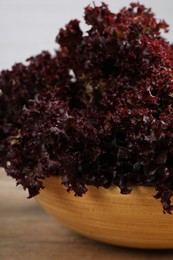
(106, 251)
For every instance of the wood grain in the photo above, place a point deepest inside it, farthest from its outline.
(133, 220)
(27, 232)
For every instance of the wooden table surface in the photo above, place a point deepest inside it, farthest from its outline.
(28, 233)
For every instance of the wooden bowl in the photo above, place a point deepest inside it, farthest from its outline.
(134, 220)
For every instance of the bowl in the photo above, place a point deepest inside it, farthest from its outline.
(135, 220)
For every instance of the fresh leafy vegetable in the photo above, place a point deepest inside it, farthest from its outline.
(99, 112)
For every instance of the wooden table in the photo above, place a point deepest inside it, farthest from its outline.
(28, 233)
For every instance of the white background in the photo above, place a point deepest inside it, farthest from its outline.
(29, 26)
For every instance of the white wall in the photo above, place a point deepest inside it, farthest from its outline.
(29, 26)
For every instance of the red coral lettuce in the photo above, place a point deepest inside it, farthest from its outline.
(99, 112)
